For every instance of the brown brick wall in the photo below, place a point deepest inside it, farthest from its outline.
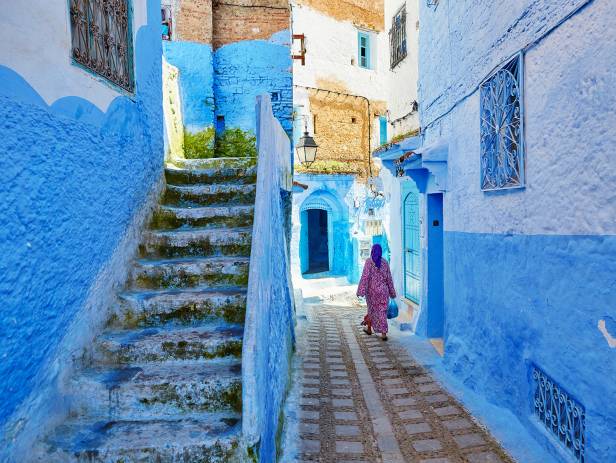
(366, 13)
(193, 20)
(237, 20)
(219, 22)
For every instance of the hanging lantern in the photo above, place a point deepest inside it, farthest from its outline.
(306, 150)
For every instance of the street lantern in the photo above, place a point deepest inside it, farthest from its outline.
(306, 150)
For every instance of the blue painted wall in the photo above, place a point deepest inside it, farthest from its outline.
(337, 193)
(195, 62)
(529, 275)
(249, 68)
(74, 177)
(227, 81)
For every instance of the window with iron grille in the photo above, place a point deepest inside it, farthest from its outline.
(502, 137)
(397, 38)
(560, 414)
(101, 39)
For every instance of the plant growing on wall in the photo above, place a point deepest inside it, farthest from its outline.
(230, 143)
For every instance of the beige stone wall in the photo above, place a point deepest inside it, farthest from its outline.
(341, 128)
(364, 13)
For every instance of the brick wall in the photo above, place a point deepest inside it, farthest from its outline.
(193, 20)
(249, 20)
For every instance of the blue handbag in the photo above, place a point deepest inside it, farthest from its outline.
(392, 309)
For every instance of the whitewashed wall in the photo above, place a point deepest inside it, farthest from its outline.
(401, 81)
(46, 24)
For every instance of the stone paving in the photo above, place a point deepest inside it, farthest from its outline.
(365, 400)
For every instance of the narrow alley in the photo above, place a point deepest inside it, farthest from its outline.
(358, 398)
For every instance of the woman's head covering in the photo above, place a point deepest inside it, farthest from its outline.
(375, 254)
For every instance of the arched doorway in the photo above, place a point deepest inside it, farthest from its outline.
(411, 243)
(320, 250)
(318, 242)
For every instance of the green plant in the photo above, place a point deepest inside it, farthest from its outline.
(236, 143)
(231, 143)
(327, 167)
(199, 145)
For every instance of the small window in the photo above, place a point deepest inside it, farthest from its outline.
(165, 13)
(101, 40)
(397, 38)
(383, 129)
(314, 123)
(220, 124)
(275, 96)
(353, 120)
(363, 39)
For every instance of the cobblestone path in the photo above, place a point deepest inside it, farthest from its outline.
(365, 400)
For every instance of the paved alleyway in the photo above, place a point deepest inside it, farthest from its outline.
(363, 399)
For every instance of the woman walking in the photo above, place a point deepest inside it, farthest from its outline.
(377, 287)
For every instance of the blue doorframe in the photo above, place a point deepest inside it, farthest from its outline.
(436, 310)
(410, 242)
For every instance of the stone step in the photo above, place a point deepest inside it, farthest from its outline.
(180, 307)
(170, 217)
(169, 343)
(209, 195)
(213, 163)
(208, 438)
(154, 391)
(197, 242)
(241, 175)
(189, 272)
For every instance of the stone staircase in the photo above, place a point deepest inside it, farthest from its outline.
(163, 381)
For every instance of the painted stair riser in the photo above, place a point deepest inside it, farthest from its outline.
(215, 163)
(180, 309)
(240, 175)
(171, 218)
(199, 244)
(209, 195)
(181, 441)
(213, 273)
(156, 397)
(155, 345)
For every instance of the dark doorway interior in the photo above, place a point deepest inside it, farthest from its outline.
(318, 246)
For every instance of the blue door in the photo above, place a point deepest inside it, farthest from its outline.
(412, 259)
(436, 299)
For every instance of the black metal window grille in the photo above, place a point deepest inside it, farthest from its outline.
(397, 38)
(101, 39)
(561, 414)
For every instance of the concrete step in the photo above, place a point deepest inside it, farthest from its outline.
(155, 391)
(209, 195)
(208, 438)
(170, 217)
(169, 343)
(180, 307)
(189, 272)
(241, 175)
(213, 163)
(197, 242)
